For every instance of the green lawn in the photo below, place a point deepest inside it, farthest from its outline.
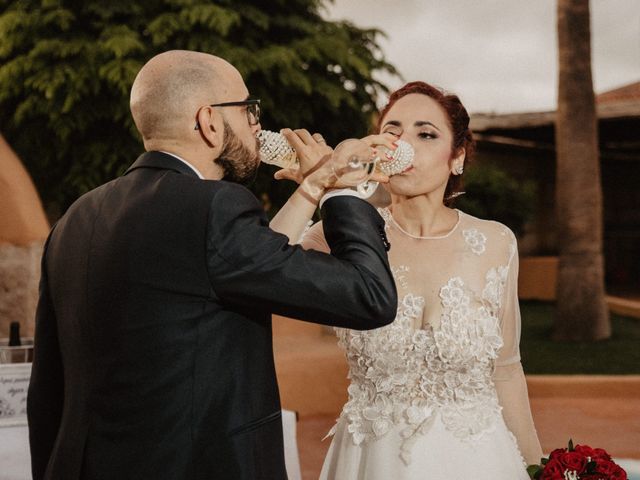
(618, 355)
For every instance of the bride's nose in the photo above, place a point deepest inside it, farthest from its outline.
(405, 136)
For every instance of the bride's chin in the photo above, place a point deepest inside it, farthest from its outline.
(401, 190)
(405, 189)
(400, 182)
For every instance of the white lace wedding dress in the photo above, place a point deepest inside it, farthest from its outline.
(425, 394)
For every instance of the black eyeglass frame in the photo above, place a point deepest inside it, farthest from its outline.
(241, 103)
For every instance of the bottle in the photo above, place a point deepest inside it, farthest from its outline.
(14, 334)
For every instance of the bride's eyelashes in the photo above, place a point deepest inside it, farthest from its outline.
(393, 131)
(427, 135)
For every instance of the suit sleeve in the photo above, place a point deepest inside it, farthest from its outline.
(46, 386)
(253, 267)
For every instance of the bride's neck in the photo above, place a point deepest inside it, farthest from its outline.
(422, 216)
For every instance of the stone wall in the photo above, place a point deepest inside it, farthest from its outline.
(19, 278)
(23, 229)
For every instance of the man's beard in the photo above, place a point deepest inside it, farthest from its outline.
(239, 164)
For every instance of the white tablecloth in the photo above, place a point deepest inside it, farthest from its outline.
(291, 445)
(15, 462)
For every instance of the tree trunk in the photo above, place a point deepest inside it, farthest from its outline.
(581, 311)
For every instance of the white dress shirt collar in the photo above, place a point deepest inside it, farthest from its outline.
(186, 163)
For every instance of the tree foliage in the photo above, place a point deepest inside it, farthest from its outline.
(66, 68)
(493, 194)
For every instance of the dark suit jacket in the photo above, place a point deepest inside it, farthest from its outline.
(153, 354)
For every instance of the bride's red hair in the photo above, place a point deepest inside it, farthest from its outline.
(458, 123)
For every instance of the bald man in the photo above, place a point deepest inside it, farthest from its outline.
(153, 354)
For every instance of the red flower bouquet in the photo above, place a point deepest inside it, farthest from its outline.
(577, 463)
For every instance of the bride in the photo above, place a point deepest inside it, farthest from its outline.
(440, 393)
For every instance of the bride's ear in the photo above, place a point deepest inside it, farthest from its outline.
(457, 163)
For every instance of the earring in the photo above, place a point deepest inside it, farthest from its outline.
(454, 195)
(459, 169)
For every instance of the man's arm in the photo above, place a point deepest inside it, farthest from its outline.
(252, 266)
(46, 387)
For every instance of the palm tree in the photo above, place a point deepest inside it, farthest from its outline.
(581, 312)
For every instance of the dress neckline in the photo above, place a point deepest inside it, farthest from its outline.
(389, 218)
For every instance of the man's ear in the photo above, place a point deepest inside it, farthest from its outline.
(211, 126)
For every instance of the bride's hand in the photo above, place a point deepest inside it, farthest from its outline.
(381, 145)
(312, 152)
(386, 140)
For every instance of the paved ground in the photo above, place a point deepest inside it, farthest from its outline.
(613, 424)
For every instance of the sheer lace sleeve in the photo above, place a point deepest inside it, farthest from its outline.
(509, 377)
(510, 311)
(313, 239)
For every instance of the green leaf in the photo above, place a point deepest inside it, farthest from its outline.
(120, 73)
(493, 194)
(164, 26)
(61, 18)
(534, 471)
(212, 17)
(51, 3)
(121, 41)
(591, 466)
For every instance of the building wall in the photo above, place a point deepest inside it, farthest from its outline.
(538, 166)
(621, 197)
(620, 184)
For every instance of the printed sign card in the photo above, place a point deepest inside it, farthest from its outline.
(14, 383)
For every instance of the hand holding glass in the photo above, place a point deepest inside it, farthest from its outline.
(353, 161)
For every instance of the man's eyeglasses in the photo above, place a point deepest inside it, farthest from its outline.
(253, 109)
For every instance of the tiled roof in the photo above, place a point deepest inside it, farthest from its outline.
(627, 93)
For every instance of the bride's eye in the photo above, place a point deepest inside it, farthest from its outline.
(393, 131)
(427, 135)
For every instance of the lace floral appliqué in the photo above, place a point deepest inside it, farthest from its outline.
(493, 292)
(404, 377)
(386, 216)
(476, 240)
(398, 275)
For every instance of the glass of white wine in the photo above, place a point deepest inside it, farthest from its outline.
(353, 162)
